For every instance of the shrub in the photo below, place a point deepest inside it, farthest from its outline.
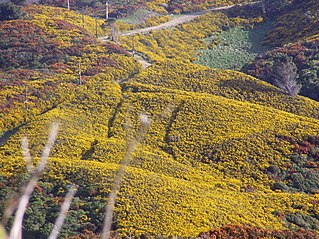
(10, 11)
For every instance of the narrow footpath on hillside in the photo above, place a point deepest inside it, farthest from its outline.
(172, 23)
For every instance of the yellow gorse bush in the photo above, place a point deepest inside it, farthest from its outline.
(167, 190)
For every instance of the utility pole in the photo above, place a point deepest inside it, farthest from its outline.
(82, 18)
(68, 4)
(26, 102)
(107, 10)
(133, 46)
(96, 33)
(80, 75)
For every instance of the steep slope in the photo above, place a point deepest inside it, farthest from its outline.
(299, 21)
(217, 151)
(181, 179)
(40, 59)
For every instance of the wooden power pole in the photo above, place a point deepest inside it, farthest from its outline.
(26, 102)
(82, 18)
(107, 10)
(133, 46)
(80, 75)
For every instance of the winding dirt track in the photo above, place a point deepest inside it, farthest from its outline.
(172, 23)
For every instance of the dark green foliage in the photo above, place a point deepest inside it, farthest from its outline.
(302, 173)
(303, 221)
(304, 55)
(85, 215)
(275, 6)
(10, 11)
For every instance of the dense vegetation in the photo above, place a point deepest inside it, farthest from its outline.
(190, 149)
(225, 153)
(121, 8)
(49, 53)
(297, 22)
(296, 33)
(249, 232)
(10, 11)
(303, 54)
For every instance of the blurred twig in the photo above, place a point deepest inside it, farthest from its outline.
(16, 230)
(145, 122)
(64, 209)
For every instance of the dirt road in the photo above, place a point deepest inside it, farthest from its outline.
(172, 23)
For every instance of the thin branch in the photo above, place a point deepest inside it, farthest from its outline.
(16, 230)
(64, 209)
(145, 122)
(26, 153)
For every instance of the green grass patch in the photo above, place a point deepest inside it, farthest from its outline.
(233, 48)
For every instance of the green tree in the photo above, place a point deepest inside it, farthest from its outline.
(9, 11)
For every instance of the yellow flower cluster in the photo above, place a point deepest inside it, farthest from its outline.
(212, 134)
(46, 17)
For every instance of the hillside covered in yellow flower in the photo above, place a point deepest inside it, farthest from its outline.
(225, 155)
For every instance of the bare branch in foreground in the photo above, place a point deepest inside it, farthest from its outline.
(145, 122)
(16, 230)
(64, 209)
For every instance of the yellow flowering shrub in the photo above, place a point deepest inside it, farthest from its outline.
(53, 43)
(46, 16)
(201, 163)
(191, 171)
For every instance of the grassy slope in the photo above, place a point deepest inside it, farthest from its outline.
(234, 47)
